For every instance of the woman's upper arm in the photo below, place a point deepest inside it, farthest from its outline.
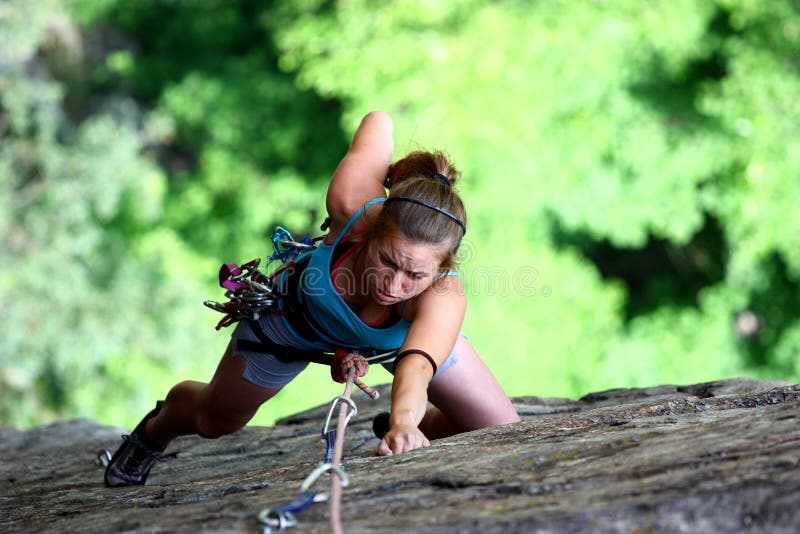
(361, 173)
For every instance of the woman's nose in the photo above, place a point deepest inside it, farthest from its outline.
(396, 285)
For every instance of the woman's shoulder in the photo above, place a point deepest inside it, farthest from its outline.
(355, 222)
(446, 295)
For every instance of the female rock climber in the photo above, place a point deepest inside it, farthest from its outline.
(382, 278)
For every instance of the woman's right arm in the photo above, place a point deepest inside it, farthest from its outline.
(361, 173)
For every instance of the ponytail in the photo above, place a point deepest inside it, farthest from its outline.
(434, 165)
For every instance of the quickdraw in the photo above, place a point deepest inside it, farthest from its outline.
(278, 518)
(285, 247)
(249, 291)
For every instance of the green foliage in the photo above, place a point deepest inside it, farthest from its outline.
(251, 150)
(630, 174)
(619, 122)
(87, 279)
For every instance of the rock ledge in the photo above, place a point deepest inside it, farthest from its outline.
(717, 457)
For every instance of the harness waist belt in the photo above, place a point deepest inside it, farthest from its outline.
(264, 345)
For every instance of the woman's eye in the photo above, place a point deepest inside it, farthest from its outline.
(386, 261)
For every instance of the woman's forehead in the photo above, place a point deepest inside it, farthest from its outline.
(410, 255)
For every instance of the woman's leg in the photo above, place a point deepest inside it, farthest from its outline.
(211, 410)
(466, 397)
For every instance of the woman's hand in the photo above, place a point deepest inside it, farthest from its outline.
(409, 402)
(402, 438)
(343, 361)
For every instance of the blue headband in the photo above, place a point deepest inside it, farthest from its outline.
(431, 206)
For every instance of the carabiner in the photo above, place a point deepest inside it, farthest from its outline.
(353, 411)
(319, 471)
(103, 457)
(275, 520)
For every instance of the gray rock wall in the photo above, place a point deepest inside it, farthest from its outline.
(716, 457)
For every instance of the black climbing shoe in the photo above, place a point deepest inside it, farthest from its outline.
(380, 425)
(132, 462)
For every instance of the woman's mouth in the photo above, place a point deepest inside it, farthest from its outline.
(385, 297)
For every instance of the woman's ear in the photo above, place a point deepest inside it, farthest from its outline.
(446, 264)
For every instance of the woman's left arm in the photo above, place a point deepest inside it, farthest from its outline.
(438, 315)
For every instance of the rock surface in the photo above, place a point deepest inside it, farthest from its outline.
(716, 457)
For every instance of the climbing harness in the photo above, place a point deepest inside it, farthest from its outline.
(278, 518)
(250, 292)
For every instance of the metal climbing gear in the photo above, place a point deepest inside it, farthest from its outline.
(250, 292)
(285, 247)
(350, 413)
(103, 457)
(278, 518)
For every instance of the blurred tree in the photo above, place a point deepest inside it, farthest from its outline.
(630, 173)
(251, 150)
(248, 148)
(83, 258)
(657, 140)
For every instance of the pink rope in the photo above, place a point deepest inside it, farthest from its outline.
(336, 482)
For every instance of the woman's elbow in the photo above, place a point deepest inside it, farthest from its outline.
(378, 116)
(375, 127)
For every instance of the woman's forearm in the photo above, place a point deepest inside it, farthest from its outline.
(410, 391)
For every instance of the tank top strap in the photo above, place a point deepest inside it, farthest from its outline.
(355, 217)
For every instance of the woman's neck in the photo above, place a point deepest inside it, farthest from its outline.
(356, 293)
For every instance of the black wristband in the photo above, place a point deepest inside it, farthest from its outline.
(408, 352)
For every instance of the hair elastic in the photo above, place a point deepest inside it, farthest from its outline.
(442, 178)
(430, 206)
(408, 352)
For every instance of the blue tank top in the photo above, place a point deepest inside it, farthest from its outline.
(331, 318)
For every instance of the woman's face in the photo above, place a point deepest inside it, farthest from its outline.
(398, 270)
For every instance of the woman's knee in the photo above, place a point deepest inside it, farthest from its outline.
(195, 401)
(212, 425)
(469, 394)
(185, 393)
